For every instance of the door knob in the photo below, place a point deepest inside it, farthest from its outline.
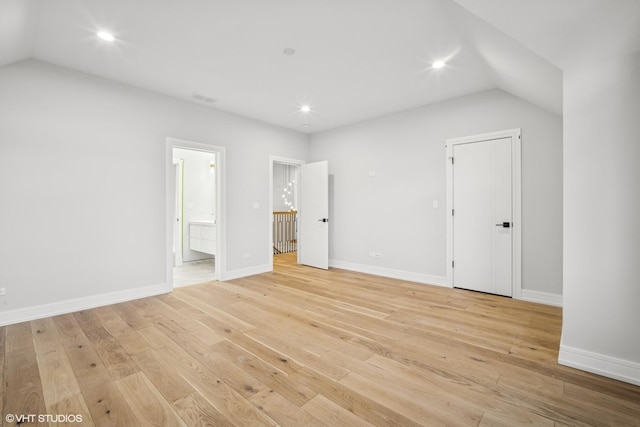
(504, 225)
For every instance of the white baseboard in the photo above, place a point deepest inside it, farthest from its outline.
(541, 297)
(69, 306)
(244, 272)
(612, 367)
(388, 272)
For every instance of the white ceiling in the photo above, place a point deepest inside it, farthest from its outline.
(566, 32)
(354, 60)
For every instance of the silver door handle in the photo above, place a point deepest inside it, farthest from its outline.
(324, 220)
(504, 225)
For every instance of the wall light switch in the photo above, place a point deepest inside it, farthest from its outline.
(256, 206)
(435, 204)
(372, 173)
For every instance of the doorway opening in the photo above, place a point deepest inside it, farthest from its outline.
(194, 212)
(284, 197)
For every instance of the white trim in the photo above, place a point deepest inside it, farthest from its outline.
(272, 160)
(389, 272)
(221, 202)
(601, 364)
(249, 271)
(77, 304)
(541, 297)
(516, 164)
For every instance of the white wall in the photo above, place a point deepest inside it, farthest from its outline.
(391, 212)
(602, 218)
(199, 194)
(80, 218)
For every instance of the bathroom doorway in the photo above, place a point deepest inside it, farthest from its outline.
(195, 217)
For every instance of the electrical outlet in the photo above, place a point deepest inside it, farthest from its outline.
(3, 291)
(375, 254)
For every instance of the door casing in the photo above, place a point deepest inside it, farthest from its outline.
(516, 200)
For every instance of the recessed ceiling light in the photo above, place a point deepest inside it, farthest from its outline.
(305, 109)
(438, 64)
(106, 36)
(289, 51)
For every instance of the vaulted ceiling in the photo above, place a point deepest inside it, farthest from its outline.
(350, 60)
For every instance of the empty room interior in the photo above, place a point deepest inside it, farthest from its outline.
(299, 212)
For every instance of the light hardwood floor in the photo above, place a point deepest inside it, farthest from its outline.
(306, 347)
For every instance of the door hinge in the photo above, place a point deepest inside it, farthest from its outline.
(452, 160)
(452, 264)
(452, 212)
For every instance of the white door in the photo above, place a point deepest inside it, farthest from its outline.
(177, 229)
(313, 227)
(482, 216)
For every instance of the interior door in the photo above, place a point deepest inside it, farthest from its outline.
(177, 229)
(313, 230)
(482, 216)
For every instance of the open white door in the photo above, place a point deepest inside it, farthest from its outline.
(177, 229)
(313, 228)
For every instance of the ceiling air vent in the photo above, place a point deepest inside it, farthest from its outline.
(202, 98)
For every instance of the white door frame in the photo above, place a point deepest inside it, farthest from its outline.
(287, 161)
(516, 200)
(221, 219)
